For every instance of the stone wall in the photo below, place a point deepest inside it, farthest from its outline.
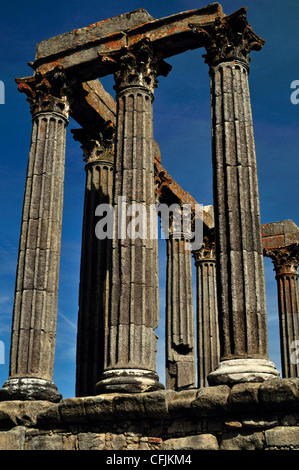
(249, 416)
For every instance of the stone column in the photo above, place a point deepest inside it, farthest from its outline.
(180, 347)
(95, 271)
(208, 353)
(35, 304)
(286, 262)
(240, 272)
(131, 349)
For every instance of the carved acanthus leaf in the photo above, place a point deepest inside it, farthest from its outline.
(48, 92)
(229, 38)
(140, 66)
(208, 250)
(97, 144)
(285, 259)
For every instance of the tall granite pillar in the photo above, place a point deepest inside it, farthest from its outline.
(286, 262)
(95, 270)
(206, 310)
(131, 345)
(35, 304)
(239, 255)
(180, 332)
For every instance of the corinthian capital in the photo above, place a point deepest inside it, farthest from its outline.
(285, 260)
(97, 145)
(140, 67)
(208, 250)
(228, 38)
(48, 92)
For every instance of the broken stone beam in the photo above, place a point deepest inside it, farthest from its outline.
(90, 52)
(93, 106)
(169, 191)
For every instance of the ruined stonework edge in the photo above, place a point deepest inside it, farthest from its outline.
(273, 395)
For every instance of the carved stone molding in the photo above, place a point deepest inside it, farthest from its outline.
(97, 145)
(140, 67)
(229, 38)
(285, 260)
(50, 92)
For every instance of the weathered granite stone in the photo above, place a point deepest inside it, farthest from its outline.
(261, 423)
(99, 407)
(200, 442)
(244, 396)
(118, 442)
(49, 416)
(49, 442)
(129, 406)
(211, 400)
(182, 401)
(242, 441)
(156, 405)
(22, 413)
(91, 441)
(281, 394)
(233, 424)
(72, 410)
(13, 439)
(92, 32)
(283, 436)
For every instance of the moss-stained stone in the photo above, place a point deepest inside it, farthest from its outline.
(280, 394)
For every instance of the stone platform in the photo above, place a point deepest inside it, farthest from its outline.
(247, 416)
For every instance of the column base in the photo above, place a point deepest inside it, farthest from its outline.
(29, 388)
(128, 381)
(243, 370)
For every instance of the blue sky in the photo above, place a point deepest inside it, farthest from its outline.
(181, 127)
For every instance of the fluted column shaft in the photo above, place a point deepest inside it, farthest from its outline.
(95, 270)
(180, 332)
(131, 348)
(241, 286)
(35, 304)
(208, 354)
(285, 262)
